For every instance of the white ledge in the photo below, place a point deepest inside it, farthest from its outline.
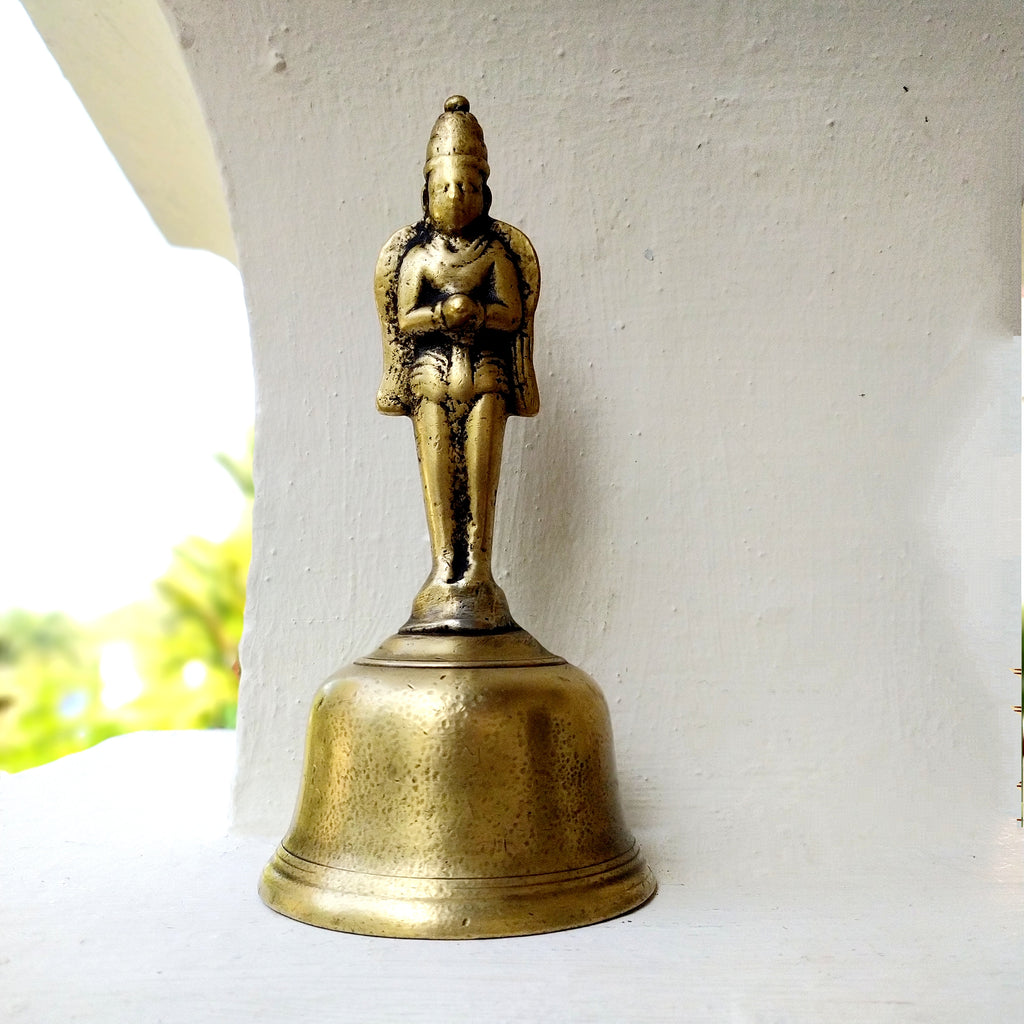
(126, 899)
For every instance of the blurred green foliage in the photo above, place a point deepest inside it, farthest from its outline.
(170, 662)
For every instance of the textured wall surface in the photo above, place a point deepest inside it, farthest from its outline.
(770, 501)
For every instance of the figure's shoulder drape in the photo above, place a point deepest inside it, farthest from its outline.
(526, 400)
(393, 397)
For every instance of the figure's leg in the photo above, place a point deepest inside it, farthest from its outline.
(433, 439)
(485, 433)
(459, 448)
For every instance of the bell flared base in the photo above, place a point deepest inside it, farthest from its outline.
(454, 908)
(458, 786)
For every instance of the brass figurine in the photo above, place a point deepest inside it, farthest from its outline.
(460, 780)
(456, 295)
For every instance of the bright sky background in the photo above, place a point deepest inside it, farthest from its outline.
(124, 362)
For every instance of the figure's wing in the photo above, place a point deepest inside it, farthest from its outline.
(393, 397)
(527, 397)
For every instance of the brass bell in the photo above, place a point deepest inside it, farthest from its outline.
(460, 781)
(458, 787)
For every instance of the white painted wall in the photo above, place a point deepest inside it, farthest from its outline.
(770, 501)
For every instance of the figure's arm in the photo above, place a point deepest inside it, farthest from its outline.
(504, 312)
(413, 318)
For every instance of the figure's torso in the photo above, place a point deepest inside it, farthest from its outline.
(474, 269)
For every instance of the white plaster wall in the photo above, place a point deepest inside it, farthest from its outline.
(770, 501)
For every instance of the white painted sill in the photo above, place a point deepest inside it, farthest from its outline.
(125, 898)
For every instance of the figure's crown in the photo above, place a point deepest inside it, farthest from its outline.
(457, 133)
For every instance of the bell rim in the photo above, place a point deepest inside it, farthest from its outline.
(397, 906)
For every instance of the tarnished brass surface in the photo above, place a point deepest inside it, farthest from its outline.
(513, 649)
(459, 781)
(460, 799)
(456, 295)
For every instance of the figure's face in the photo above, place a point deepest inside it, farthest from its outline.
(455, 195)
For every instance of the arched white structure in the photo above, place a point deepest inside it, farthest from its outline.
(125, 60)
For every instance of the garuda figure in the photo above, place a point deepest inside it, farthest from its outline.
(456, 294)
